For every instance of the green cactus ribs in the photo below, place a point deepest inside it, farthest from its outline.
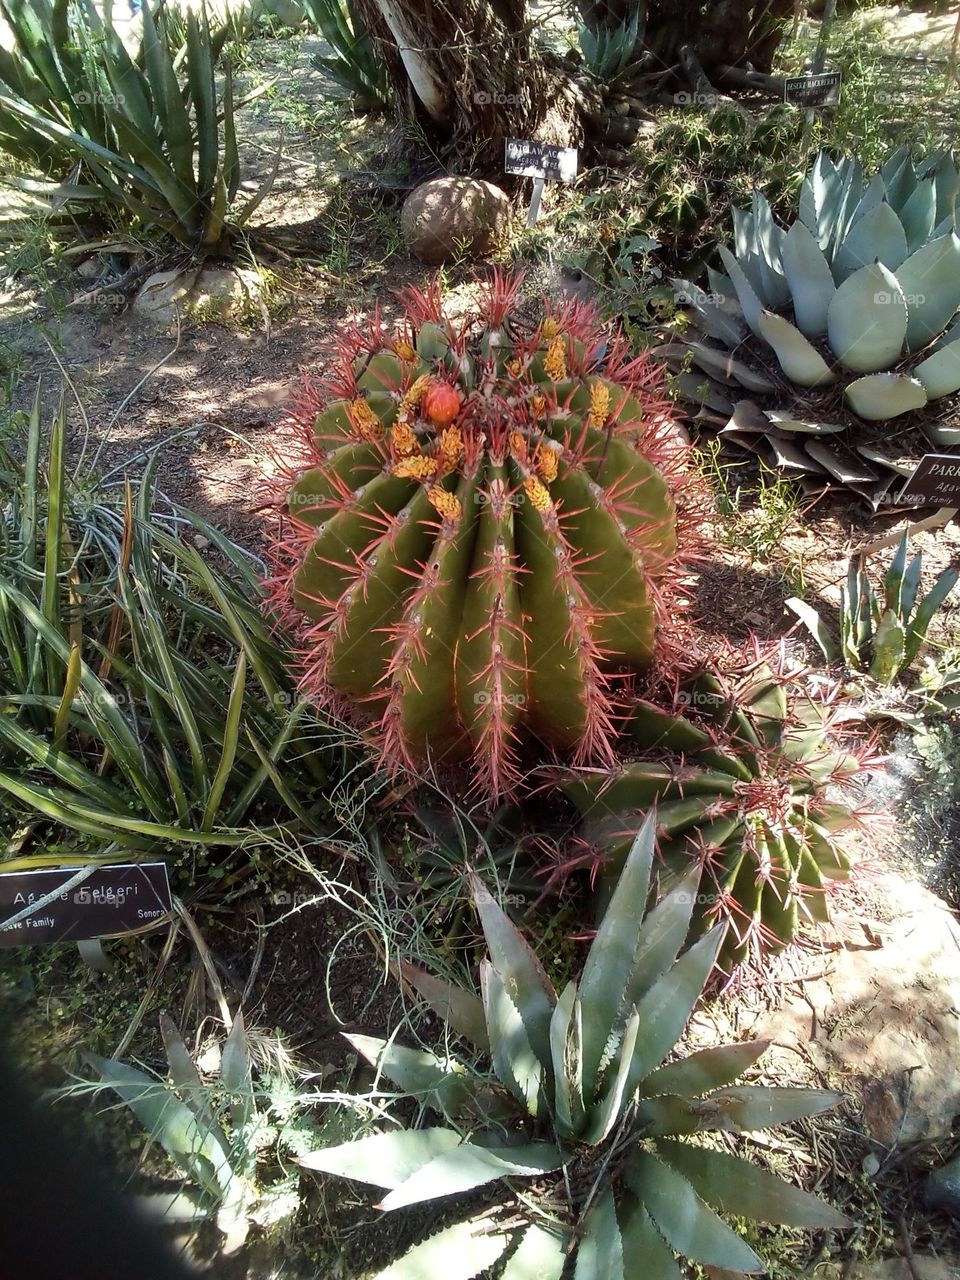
(759, 801)
(832, 347)
(486, 535)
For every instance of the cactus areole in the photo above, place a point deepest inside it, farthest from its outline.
(484, 536)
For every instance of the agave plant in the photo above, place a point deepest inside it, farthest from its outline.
(161, 151)
(485, 534)
(609, 51)
(883, 639)
(753, 804)
(853, 310)
(142, 697)
(216, 1131)
(586, 1132)
(355, 65)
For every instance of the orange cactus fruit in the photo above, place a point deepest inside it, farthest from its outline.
(441, 404)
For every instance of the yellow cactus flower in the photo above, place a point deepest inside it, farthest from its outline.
(406, 353)
(537, 493)
(416, 467)
(547, 464)
(416, 393)
(555, 363)
(518, 446)
(599, 405)
(537, 404)
(451, 448)
(446, 504)
(514, 367)
(365, 422)
(550, 328)
(404, 440)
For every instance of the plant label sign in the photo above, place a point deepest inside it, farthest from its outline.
(540, 160)
(112, 899)
(813, 91)
(936, 481)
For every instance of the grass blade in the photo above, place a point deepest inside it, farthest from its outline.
(230, 736)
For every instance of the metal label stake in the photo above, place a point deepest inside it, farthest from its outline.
(534, 211)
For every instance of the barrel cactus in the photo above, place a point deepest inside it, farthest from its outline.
(756, 800)
(484, 536)
(853, 309)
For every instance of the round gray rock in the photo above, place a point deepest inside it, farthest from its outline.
(450, 218)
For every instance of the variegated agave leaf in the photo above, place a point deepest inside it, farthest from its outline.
(855, 305)
(882, 638)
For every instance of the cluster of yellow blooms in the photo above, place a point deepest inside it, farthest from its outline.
(413, 463)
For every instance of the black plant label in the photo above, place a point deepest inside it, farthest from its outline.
(822, 90)
(53, 904)
(936, 481)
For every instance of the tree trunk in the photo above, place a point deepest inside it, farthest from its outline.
(469, 73)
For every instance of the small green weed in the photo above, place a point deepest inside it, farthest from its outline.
(753, 519)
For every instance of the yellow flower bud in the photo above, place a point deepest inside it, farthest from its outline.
(406, 353)
(416, 393)
(599, 405)
(555, 363)
(404, 440)
(417, 467)
(365, 422)
(547, 464)
(451, 448)
(518, 445)
(537, 494)
(446, 504)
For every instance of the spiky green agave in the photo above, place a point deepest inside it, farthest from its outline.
(609, 51)
(854, 305)
(209, 1130)
(161, 151)
(485, 534)
(577, 1111)
(753, 805)
(882, 638)
(355, 65)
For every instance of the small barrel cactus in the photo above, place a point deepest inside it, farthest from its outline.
(485, 535)
(749, 784)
